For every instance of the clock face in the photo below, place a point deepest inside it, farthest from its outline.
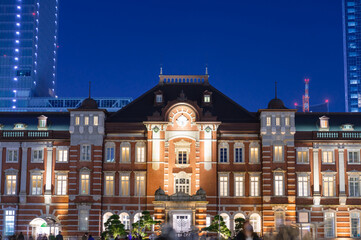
(182, 121)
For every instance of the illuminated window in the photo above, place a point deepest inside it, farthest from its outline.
(109, 185)
(355, 224)
(278, 154)
(254, 155)
(19, 126)
(38, 155)
(207, 98)
(268, 121)
(124, 185)
(12, 155)
(159, 98)
(42, 123)
(328, 186)
(278, 121)
(238, 185)
(62, 155)
(353, 156)
(85, 152)
(278, 181)
(83, 220)
(9, 223)
(254, 190)
(84, 183)
(110, 152)
(329, 227)
(303, 186)
(255, 221)
(140, 153)
(125, 153)
(77, 120)
(223, 185)
(182, 185)
(86, 120)
(125, 219)
(10, 184)
(61, 184)
(354, 186)
(302, 156)
(96, 120)
(140, 184)
(287, 121)
(324, 122)
(327, 156)
(36, 184)
(279, 218)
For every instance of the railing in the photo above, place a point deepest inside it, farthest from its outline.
(196, 79)
(341, 135)
(25, 134)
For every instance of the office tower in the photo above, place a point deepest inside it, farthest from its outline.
(28, 46)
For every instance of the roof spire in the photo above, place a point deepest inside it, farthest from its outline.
(89, 88)
(161, 69)
(206, 69)
(275, 89)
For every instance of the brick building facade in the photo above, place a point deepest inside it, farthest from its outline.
(185, 152)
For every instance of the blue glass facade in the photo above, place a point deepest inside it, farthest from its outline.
(28, 46)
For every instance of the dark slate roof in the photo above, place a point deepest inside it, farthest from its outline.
(88, 103)
(276, 103)
(311, 121)
(225, 109)
(58, 121)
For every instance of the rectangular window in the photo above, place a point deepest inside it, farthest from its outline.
(10, 184)
(302, 157)
(254, 191)
(223, 186)
(278, 154)
(36, 184)
(268, 121)
(38, 155)
(302, 186)
(278, 121)
(110, 154)
(9, 222)
(278, 181)
(355, 224)
(124, 185)
(254, 155)
(83, 220)
(12, 155)
(86, 121)
(159, 98)
(125, 154)
(182, 157)
(223, 155)
(182, 185)
(109, 185)
(42, 123)
(61, 184)
(239, 186)
(327, 156)
(96, 120)
(85, 152)
(84, 183)
(353, 157)
(141, 154)
(207, 98)
(62, 155)
(329, 227)
(287, 121)
(140, 185)
(238, 155)
(328, 186)
(354, 186)
(77, 120)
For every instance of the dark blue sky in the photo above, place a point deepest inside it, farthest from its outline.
(248, 45)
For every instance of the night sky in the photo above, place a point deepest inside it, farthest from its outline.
(248, 45)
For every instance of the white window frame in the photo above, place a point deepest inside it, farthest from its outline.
(255, 221)
(238, 146)
(352, 153)
(223, 184)
(326, 154)
(124, 177)
(13, 190)
(109, 146)
(9, 221)
(39, 189)
(137, 184)
(356, 188)
(331, 182)
(333, 224)
(13, 150)
(124, 218)
(62, 154)
(279, 184)
(85, 152)
(159, 98)
(358, 230)
(254, 186)
(109, 178)
(140, 152)
(36, 151)
(123, 157)
(301, 156)
(86, 181)
(278, 153)
(182, 187)
(207, 98)
(96, 120)
(256, 149)
(83, 219)
(239, 184)
(61, 190)
(301, 184)
(279, 216)
(221, 154)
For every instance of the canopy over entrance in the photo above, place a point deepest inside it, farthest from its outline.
(41, 226)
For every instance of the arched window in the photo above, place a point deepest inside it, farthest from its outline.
(238, 215)
(225, 217)
(140, 152)
(125, 152)
(182, 183)
(137, 217)
(106, 216)
(255, 220)
(109, 152)
(223, 152)
(125, 219)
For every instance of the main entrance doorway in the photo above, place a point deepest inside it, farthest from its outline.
(182, 222)
(40, 226)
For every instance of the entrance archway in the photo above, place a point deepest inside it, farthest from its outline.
(43, 226)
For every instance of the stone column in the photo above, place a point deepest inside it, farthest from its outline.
(208, 148)
(341, 172)
(23, 174)
(1, 163)
(49, 168)
(316, 178)
(156, 148)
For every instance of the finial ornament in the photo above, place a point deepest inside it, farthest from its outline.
(161, 70)
(206, 69)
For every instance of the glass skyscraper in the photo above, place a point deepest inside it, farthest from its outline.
(28, 48)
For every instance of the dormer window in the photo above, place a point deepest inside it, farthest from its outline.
(207, 97)
(324, 122)
(42, 122)
(159, 98)
(19, 126)
(347, 127)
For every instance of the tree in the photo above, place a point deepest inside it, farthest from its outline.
(239, 223)
(219, 226)
(144, 223)
(113, 227)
